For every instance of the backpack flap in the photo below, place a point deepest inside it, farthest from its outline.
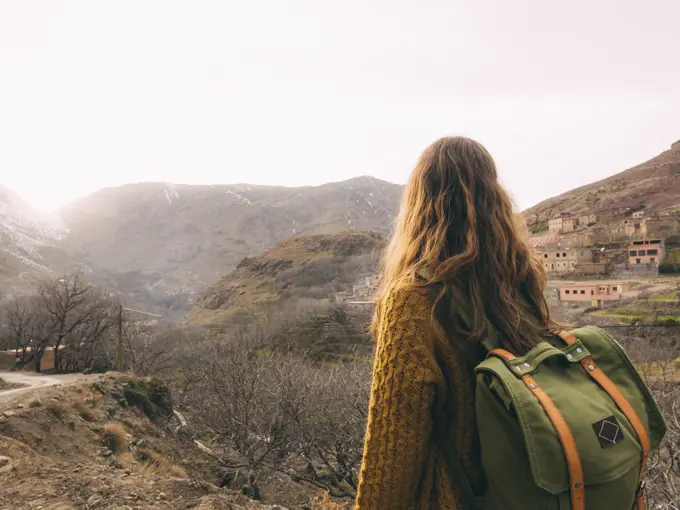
(613, 361)
(606, 442)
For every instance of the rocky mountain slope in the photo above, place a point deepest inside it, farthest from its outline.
(302, 272)
(164, 243)
(654, 183)
(29, 244)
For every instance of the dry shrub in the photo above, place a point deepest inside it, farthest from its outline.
(178, 471)
(325, 503)
(265, 406)
(57, 409)
(115, 438)
(93, 397)
(654, 352)
(151, 457)
(158, 463)
(140, 426)
(85, 412)
(126, 461)
(663, 474)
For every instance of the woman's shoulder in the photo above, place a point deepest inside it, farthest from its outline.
(406, 296)
(407, 326)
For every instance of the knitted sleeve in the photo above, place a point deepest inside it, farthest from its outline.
(400, 420)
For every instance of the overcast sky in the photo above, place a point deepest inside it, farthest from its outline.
(97, 93)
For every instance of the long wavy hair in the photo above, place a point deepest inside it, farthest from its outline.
(458, 237)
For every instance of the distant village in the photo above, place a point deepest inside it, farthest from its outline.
(622, 244)
(363, 293)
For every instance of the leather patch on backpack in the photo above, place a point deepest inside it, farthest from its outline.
(608, 432)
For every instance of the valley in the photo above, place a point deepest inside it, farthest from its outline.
(161, 245)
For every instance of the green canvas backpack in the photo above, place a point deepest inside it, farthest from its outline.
(565, 427)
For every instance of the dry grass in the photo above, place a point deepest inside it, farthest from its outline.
(325, 503)
(115, 438)
(141, 426)
(93, 397)
(126, 461)
(151, 457)
(129, 462)
(85, 411)
(177, 471)
(157, 463)
(57, 409)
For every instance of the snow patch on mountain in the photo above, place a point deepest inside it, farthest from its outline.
(23, 230)
(171, 193)
(240, 198)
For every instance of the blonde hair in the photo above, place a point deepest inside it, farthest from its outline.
(457, 236)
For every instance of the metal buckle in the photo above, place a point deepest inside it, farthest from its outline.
(640, 488)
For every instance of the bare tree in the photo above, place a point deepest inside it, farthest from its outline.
(654, 350)
(152, 353)
(69, 304)
(327, 407)
(86, 345)
(27, 328)
(66, 313)
(266, 405)
(236, 397)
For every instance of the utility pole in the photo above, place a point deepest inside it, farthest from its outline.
(120, 338)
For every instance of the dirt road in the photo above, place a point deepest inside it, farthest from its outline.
(33, 382)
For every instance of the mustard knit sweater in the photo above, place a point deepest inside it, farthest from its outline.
(416, 384)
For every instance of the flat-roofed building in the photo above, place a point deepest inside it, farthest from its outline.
(543, 240)
(564, 260)
(646, 251)
(596, 293)
(569, 224)
(587, 219)
(555, 225)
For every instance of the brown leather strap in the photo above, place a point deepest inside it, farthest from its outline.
(622, 403)
(576, 485)
(502, 353)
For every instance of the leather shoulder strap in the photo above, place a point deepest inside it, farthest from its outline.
(566, 438)
(622, 403)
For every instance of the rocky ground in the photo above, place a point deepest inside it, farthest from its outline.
(84, 445)
(7, 385)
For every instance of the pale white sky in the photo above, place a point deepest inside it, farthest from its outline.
(96, 93)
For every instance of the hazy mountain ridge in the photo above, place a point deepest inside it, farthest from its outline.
(169, 242)
(163, 244)
(654, 183)
(29, 243)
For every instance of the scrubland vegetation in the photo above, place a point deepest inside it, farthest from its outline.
(289, 399)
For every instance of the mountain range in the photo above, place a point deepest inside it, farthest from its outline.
(30, 244)
(163, 245)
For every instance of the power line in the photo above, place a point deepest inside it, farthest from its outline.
(142, 312)
(676, 325)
